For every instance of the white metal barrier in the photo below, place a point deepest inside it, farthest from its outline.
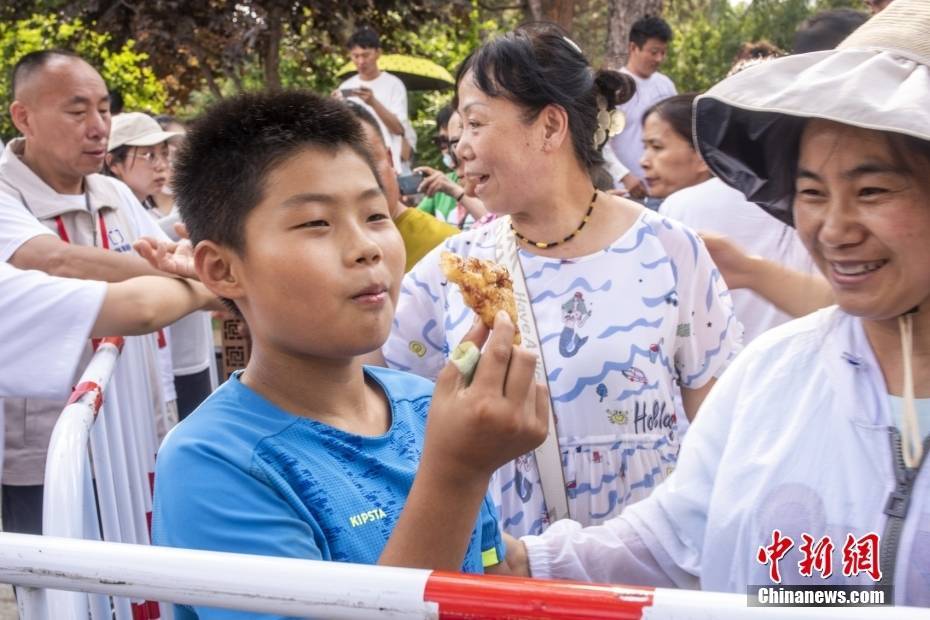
(99, 472)
(290, 587)
(71, 574)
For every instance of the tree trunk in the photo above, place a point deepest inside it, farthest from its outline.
(536, 10)
(271, 57)
(561, 12)
(620, 17)
(204, 67)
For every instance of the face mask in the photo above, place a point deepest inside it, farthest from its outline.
(447, 161)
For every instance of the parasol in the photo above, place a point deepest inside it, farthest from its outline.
(416, 73)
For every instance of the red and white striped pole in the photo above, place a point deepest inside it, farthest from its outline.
(473, 596)
(307, 588)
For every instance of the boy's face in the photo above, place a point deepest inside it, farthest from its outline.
(323, 261)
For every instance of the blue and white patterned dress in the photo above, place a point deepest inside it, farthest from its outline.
(620, 329)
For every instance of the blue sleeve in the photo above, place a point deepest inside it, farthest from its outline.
(205, 501)
(492, 543)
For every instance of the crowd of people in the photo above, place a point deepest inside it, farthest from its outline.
(721, 300)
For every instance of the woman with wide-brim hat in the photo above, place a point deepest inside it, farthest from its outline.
(820, 426)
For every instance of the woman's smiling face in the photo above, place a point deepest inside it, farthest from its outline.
(498, 150)
(862, 208)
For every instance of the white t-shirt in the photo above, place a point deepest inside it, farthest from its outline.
(715, 206)
(17, 226)
(620, 329)
(795, 436)
(44, 330)
(391, 92)
(65, 307)
(628, 144)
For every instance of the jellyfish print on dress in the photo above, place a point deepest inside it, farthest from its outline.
(574, 315)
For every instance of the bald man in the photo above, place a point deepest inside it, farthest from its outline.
(59, 216)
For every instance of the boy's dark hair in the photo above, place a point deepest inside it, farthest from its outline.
(677, 111)
(221, 169)
(35, 61)
(363, 115)
(537, 65)
(443, 116)
(826, 30)
(366, 38)
(650, 27)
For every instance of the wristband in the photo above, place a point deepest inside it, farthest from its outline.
(462, 195)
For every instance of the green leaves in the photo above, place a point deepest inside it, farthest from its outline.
(708, 34)
(124, 69)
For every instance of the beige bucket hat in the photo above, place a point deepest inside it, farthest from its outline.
(748, 126)
(136, 129)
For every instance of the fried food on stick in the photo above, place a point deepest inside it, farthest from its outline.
(486, 287)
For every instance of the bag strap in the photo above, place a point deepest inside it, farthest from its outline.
(548, 454)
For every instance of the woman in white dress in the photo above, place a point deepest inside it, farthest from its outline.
(695, 197)
(628, 306)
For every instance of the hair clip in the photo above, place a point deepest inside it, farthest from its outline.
(609, 122)
(573, 44)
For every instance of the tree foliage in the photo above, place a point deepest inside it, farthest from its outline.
(123, 67)
(183, 54)
(708, 33)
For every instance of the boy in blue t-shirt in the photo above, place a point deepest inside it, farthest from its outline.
(306, 453)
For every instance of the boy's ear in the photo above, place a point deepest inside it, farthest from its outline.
(218, 268)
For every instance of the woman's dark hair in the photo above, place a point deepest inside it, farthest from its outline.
(909, 153)
(116, 156)
(537, 65)
(826, 30)
(757, 49)
(443, 116)
(677, 111)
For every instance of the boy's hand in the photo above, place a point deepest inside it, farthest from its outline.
(176, 259)
(474, 429)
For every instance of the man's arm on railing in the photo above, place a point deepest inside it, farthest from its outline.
(142, 305)
(53, 256)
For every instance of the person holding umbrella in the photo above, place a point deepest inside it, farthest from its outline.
(382, 93)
